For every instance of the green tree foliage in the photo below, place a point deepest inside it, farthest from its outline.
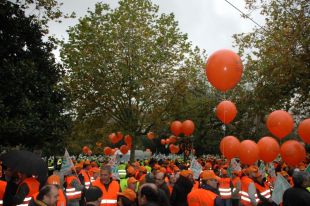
(31, 100)
(277, 58)
(128, 69)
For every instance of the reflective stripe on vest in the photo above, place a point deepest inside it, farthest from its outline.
(224, 192)
(33, 186)
(108, 201)
(25, 201)
(71, 192)
(87, 185)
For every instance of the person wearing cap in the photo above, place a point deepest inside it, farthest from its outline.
(224, 187)
(208, 193)
(84, 174)
(121, 170)
(94, 174)
(182, 188)
(132, 184)
(126, 198)
(131, 172)
(109, 187)
(141, 174)
(298, 195)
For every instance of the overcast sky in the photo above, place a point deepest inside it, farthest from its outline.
(209, 24)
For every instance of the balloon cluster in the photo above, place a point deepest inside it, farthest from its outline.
(280, 123)
(115, 138)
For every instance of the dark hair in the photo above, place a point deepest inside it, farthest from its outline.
(299, 178)
(126, 201)
(151, 194)
(92, 194)
(44, 191)
(185, 184)
(107, 168)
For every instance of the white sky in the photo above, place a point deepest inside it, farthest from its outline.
(209, 24)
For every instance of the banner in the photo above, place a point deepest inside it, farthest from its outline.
(280, 186)
(271, 171)
(67, 164)
(262, 169)
(235, 166)
(196, 168)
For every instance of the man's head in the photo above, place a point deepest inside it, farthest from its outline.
(105, 174)
(148, 193)
(159, 178)
(93, 196)
(132, 183)
(49, 195)
(208, 177)
(301, 179)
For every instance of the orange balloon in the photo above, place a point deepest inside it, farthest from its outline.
(229, 147)
(224, 69)
(113, 138)
(163, 141)
(248, 152)
(304, 130)
(174, 149)
(119, 136)
(280, 123)
(89, 153)
(268, 149)
(107, 150)
(85, 149)
(172, 139)
(226, 111)
(113, 151)
(150, 135)
(128, 139)
(124, 149)
(293, 152)
(176, 127)
(168, 141)
(188, 127)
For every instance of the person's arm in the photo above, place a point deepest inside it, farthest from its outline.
(20, 195)
(252, 192)
(236, 190)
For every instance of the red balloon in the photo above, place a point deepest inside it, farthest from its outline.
(176, 127)
(229, 147)
(128, 139)
(304, 130)
(268, 149)
(280, 123)
(124, 149)
(113, 151)
(150, 135)
(163, 141)
(293, 152)
(113, 138)
(119, 136)
(248, 152)
(107, 150)
(226, 111)
(174, 149)
(172, 139)
(85, 149)
(224, 69)
(188, 127)
(167, 141)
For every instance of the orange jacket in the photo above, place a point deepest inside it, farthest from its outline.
(2, 190)
(33, 186)
(224, 188)
(109, 198)
(200, 197)
(245, 199)
(263, 190)
(86, 178)
(71, 192)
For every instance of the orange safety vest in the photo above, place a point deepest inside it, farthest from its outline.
(263, 190)
(109, 198)
(33, 186)
(62, 201)
(224, 188)
(2, 190)
(201, 197)
(234, 182)
(244, 195)
(71, 192)
(86, 178)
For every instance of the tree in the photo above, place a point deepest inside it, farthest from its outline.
(31, 99)
(125, 66)
(276, 74)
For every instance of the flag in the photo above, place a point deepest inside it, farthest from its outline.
(67, 164)
(235, 166)
(271, 171)
(280, 186)
(262, 169)
(196, 168)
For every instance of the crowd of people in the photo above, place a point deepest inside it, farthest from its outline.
(152, 182)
